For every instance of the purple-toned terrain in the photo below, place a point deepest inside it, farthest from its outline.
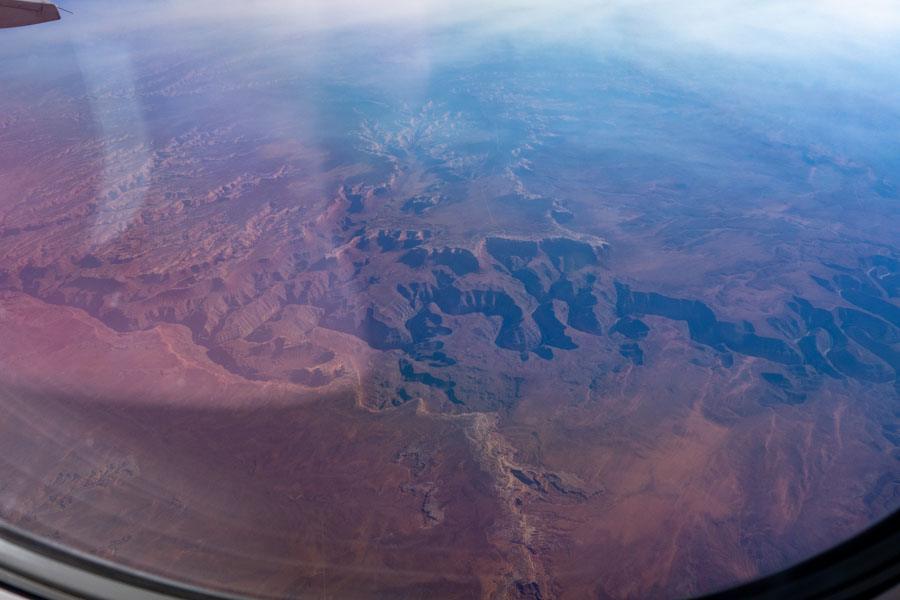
(428, 307)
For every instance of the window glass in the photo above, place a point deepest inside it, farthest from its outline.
(451, 299)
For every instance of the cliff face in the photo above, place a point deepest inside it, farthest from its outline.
(472, 342)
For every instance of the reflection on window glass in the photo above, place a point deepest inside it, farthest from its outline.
(451, 299)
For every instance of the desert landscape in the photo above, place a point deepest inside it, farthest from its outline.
(404, 318)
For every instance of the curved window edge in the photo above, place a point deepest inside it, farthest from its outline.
(40, 569)
(865, 566)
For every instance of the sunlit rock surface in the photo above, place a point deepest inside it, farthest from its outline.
(450, 302)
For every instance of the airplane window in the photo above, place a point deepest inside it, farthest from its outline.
(451, 300)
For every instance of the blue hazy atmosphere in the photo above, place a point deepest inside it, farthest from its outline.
(451, 300)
